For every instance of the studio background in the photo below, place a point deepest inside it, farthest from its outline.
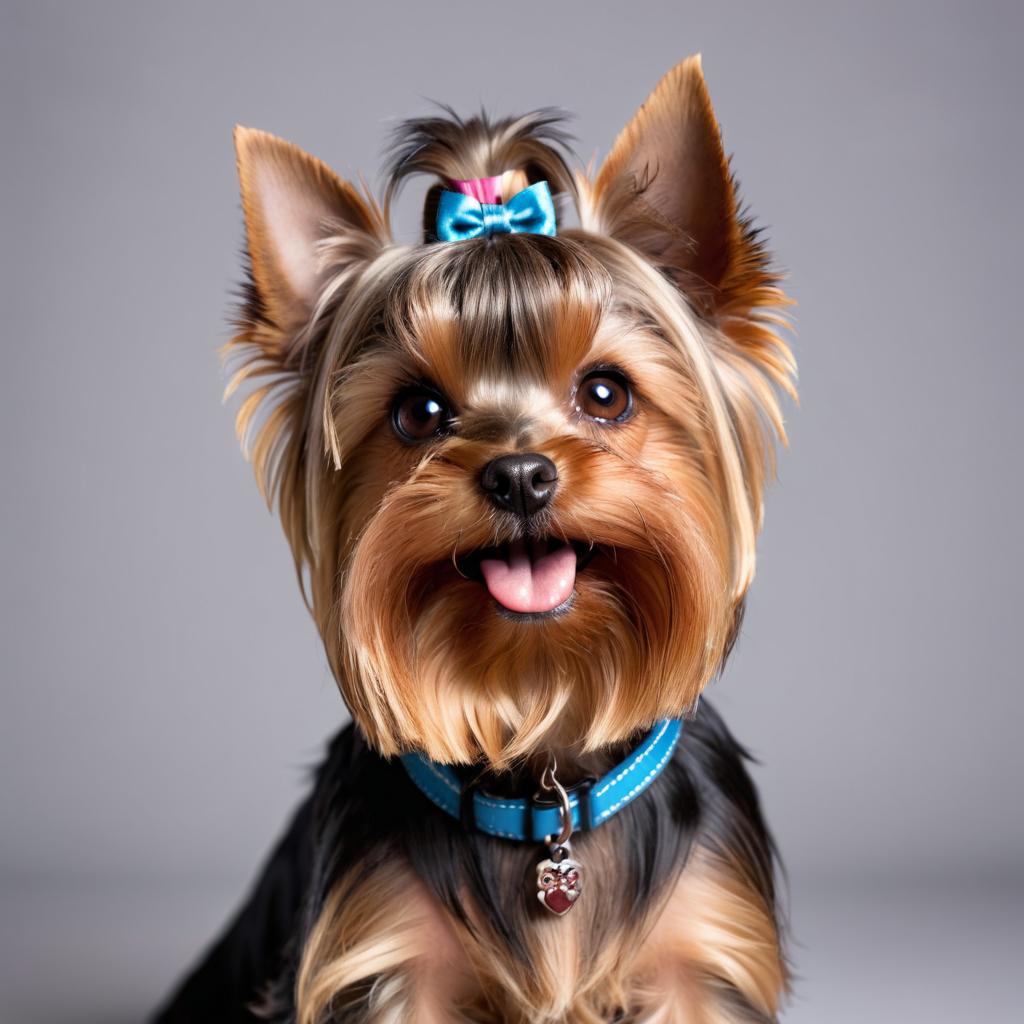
(164, 691)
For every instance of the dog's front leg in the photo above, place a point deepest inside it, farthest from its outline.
(714, 956)
(381, 951)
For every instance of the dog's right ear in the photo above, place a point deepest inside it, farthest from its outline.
(293, 203)
(305, 229)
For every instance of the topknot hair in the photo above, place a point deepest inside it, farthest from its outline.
(452, 148)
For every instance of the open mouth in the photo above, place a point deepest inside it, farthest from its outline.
(531, 577)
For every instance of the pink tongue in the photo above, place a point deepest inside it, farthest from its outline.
(522, 584)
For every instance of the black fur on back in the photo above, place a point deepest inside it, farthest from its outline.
(365, 811)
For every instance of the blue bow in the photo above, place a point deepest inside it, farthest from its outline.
(531, 211)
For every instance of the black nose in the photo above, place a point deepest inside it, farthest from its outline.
(522, 483)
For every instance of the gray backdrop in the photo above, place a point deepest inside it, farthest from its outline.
(163, 689)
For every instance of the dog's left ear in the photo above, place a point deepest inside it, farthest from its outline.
(666, 189)
(293, 203)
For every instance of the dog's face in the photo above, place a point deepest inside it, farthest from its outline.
(522, 474)
(531, 542)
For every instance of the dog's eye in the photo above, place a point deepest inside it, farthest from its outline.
(420, 415)
(604, 395)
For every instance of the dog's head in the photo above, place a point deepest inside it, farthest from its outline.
(521, 475)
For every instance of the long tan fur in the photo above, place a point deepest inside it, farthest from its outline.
(385, 951)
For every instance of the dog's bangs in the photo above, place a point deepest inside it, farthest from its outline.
(513, 302)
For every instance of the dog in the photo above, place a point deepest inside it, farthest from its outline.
(520, 465)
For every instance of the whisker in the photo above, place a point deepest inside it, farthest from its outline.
(455, 556)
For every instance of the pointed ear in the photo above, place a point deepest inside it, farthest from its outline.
(292, 202)
(666, 189)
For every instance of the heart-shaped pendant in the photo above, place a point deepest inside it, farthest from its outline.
(559, 880)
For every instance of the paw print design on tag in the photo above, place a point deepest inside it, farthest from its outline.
(559, 882)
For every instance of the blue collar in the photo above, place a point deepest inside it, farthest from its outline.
(592, 802)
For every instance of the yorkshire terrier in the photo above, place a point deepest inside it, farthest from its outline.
(520, 466)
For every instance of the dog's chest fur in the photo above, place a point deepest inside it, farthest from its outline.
(409, 913)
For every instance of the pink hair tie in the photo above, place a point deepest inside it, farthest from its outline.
(483, 190)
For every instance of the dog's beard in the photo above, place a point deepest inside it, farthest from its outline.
(435, 656)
